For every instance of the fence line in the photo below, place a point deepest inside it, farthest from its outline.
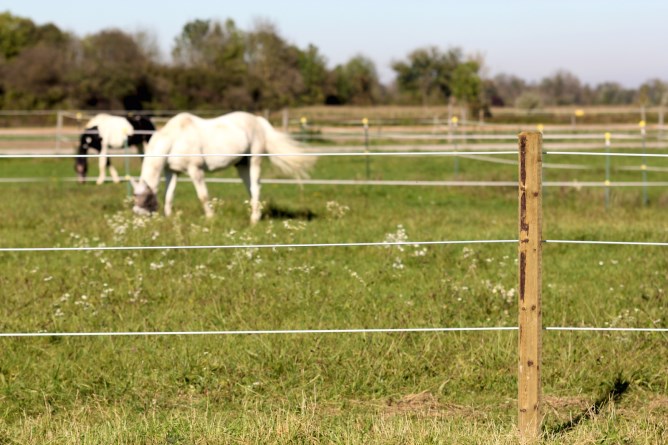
(398, 136)
(388, 135)
(255, 332)
(563, 166)
(357, 182)
(312, 245)
(611, 329)
(372, 182)
(596, 153)
(329, 153)
(264, 155)
(252, 246)
(316, 331)
(608, 243)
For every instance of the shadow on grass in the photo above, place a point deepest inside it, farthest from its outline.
(273, 211)
(613, 394)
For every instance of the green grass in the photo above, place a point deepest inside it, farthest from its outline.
(350, 388)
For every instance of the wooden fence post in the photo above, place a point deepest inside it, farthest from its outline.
(530, 255)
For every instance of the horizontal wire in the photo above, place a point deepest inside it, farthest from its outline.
(309, 245)
(316, 331)
(603, 184)
(298, 182)
(595, 329)
(250, 246)
(207, 155)
(576, 184)
(462, 153)
(351, 133)
(613, 243)
(596, 153)
(252, 332)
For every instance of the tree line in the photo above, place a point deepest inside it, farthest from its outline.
(217, 65)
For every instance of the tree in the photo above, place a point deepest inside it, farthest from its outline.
(508, 88)
(612, 93)
(652, 92)
(313, 69)
(466, 85)
(194, 42)
(562, 88)
(273, 67)
(211, 69)
(529, 101)
(147, 43)
(427, 74)
(36, 63)
(112, 68)
(16, 33)
(356, 82)
(39, 77)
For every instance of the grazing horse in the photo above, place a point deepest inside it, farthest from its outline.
(105, 131)
(232, 139)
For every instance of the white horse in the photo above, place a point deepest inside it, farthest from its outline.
(234, 137)
(112, 132)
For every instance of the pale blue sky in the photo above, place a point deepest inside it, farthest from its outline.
(597, 40)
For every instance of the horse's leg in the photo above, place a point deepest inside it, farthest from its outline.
(170, 181)
(197, 176)
(243, 170)
(254, 188)
(112, 170)
(102, 163)
(114, 174)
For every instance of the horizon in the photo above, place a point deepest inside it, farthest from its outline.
(602, 42)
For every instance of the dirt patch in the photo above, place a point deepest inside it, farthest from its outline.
(659, 403)
(567, 403)
(425, 404)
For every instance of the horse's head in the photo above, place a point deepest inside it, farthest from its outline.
(89, 139)
(146, 201)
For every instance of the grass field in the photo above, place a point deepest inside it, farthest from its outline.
(415, 388)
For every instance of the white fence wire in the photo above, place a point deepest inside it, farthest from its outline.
(252, 246)
(321, 331)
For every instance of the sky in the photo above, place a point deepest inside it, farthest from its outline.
(624, 41)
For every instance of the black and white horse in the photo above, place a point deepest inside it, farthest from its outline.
(105, 131)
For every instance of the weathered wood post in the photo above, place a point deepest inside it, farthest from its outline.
(530, 255)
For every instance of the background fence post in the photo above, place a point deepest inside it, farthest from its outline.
(608, 137)
(59, 129)
(126, 162)
(453, 126)
(285, 118)
(530, 255)
(643, 166)
(365, 124)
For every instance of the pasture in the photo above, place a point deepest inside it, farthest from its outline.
(413, 388)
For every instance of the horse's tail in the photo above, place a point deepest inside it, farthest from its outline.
(294, 163)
